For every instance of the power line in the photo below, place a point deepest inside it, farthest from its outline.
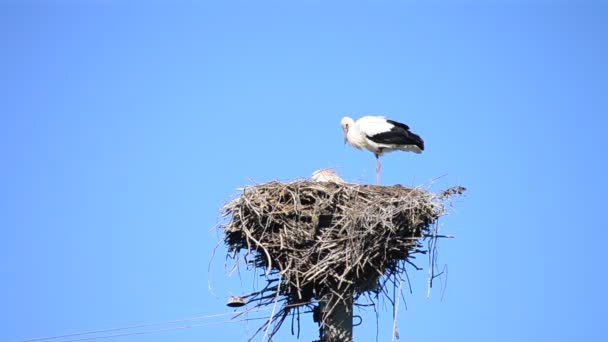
(162, 330)
(198, 318)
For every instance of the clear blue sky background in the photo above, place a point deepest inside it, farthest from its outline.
(124, 128)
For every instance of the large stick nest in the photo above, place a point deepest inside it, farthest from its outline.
(313, 239)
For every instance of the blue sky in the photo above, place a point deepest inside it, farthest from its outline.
(124, 129)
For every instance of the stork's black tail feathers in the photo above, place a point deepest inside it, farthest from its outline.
(415, 139)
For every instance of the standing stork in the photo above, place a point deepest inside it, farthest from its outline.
(379, 135)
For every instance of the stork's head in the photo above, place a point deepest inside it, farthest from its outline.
(346, 125)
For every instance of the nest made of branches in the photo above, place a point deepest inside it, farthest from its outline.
(314, 239)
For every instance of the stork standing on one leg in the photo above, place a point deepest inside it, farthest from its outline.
(379, 135)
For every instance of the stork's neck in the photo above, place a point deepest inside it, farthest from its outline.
(355, 137)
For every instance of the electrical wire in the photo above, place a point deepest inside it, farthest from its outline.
(162, 330)
(198, 318)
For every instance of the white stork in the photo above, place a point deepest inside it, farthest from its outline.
(379, 135)
(326, 176)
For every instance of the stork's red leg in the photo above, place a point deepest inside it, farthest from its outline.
(377, 170)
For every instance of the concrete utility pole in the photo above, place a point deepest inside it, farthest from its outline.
(338, 325)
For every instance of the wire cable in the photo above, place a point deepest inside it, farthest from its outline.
(198, 318)
(162, 330)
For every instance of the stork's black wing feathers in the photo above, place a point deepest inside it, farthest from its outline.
(399, 124)
(398, 135)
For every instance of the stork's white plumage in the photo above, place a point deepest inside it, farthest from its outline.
(379, 135)
(327, 176)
